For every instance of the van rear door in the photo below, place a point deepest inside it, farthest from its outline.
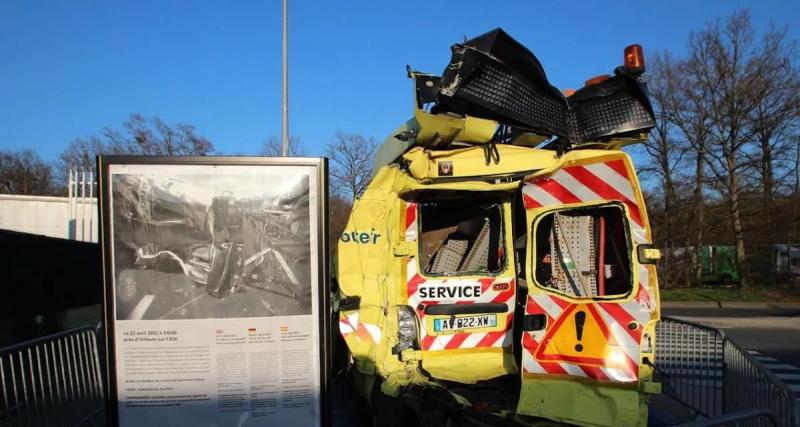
(460, 282)
(590, 314)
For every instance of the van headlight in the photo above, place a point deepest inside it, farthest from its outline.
(406, 329)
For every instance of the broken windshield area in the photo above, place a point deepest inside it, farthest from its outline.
(583, 253)
(461, 236)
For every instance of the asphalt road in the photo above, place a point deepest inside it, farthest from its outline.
(175, 296)
(771, 335)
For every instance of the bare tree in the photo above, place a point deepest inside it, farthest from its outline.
(139, 136)
(80, 154)
(272, 147)
(351, 157)
(24, 172)
(338, 214)
(666, 152)
(775, 121)
(681, 105)
(727, 67)
(795, 191)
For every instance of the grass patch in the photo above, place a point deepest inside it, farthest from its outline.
(716, 294)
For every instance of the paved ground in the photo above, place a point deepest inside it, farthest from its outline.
(771, 335)
(175, 296)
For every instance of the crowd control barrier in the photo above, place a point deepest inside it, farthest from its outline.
(53, 380)
(718, 380)
(57, 380)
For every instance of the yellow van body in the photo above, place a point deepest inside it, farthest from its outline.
(468, 264)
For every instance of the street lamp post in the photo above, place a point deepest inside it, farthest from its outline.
(285, 99)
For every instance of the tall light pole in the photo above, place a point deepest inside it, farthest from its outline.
(285, 100)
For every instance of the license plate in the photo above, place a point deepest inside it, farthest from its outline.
(466, 322)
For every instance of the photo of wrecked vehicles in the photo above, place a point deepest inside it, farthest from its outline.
(210, 246)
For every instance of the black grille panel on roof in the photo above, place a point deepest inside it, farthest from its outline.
(493, 76)
(511, 97)
(619, 113)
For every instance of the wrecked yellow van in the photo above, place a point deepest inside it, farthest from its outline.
(501, 253)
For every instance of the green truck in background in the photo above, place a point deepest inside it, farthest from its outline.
(719, 265)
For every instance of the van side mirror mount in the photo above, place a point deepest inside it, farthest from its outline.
(648, 253)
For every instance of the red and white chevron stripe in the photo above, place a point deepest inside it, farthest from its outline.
(610, 180)
(622, 363)
(604, 181)
(349, 324)
(429, 340)
(411, 222)
(584, 183)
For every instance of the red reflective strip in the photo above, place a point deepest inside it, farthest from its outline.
(456, 341)
(485, 283)
(636, 214)
(594, 372)
(363, 333)
(619, 167)
(411, 214)
(599, 320)
(553, 368)
(506, 295)
(492, 337)
(643, 297)
(427, 341)
(559, 302)
(529, 202)
(555, 189)
(561, 318)
(528, 341)
(414, 283)
(623, 318)
(533, 307)
(630, 367)
(604, 190)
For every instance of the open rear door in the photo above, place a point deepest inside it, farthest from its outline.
(461, 286)
(589, 320)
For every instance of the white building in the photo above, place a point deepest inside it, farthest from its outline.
(62, 217)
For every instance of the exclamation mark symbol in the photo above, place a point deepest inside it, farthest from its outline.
(580, 319)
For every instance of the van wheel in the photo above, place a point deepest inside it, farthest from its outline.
(725, 279)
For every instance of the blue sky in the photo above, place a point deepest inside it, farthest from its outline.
(70, 68)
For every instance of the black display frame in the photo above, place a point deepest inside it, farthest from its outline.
(106, 257)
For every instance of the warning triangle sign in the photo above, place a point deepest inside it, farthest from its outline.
(579, 336)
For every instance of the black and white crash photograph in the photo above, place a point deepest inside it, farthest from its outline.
(231, 242)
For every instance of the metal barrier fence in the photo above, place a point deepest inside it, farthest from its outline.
(714, 377)
(54, 380)
(57, 380)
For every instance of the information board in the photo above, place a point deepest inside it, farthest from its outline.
(216, 296)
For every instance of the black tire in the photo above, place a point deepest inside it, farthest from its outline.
(725, 279)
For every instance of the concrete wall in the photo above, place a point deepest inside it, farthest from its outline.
(50, 216)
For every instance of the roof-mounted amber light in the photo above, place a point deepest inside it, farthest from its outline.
(634, 59)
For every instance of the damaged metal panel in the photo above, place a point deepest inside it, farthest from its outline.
(494, 77)
(615, 106)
